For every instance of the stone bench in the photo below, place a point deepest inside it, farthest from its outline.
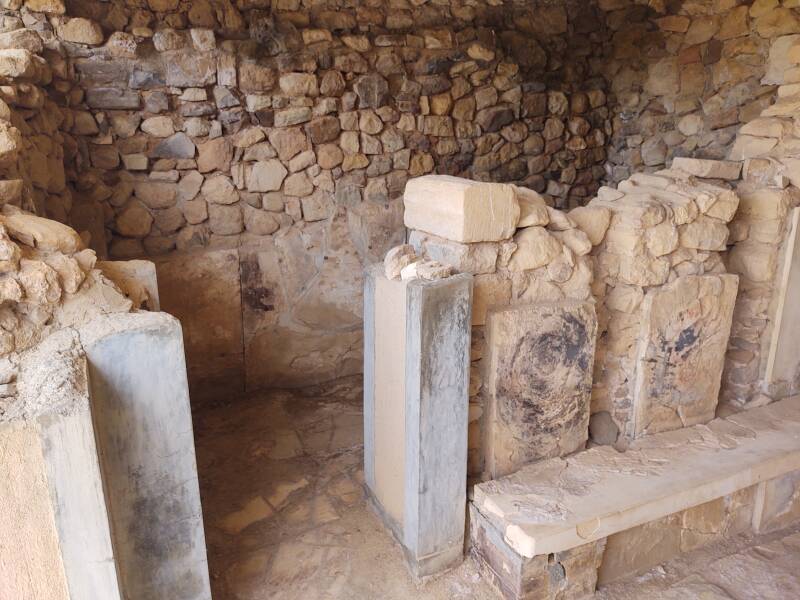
(554, 525)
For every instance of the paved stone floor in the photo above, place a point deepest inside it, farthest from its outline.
(280, 477)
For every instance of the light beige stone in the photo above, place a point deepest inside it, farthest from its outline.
(266, 176)
(712, 169)
(397, 259)
(592, 220)
(535, 248)
(533, 210)
(704, 234)
(461, 210)
(656, 476)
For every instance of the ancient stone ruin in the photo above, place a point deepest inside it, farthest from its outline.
(399, 299)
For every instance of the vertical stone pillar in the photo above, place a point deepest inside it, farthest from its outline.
(416, 364)
(143, 424)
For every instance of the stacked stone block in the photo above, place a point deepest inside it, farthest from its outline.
(521, 252)
(664, 301)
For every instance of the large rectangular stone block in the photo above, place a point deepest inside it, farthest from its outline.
(538, 379)
(461, 210)
(683, 338)
(780, 502)
(416, 377)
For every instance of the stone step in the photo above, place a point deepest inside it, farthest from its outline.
(734, 474)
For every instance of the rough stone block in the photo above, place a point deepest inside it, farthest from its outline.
(416, 378)
(568, 574)
(461, 210)
(681, 353)
(712, 169)
(538, 382)
(640, 548)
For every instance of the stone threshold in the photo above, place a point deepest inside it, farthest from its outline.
(560, 504)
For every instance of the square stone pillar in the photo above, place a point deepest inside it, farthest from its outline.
(140, 405)
(416, 380)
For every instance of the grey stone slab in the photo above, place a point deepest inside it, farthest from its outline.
(113, 98)
(79, 504)
(369, 373)
(538, 382)
(438, 330)
(417, 338)
(140, 402)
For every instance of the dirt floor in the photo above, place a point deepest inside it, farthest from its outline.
(285, 517)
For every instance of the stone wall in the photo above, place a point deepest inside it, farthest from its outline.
(761, 247)
(270, 142)
(664, 304)
(685, 74)
(284, 133)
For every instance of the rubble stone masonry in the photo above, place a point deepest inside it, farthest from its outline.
(266, 145)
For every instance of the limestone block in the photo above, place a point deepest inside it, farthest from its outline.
(643, 547)
(473, 258)
(538, 378)
(778, 61)
(592, 220)
(760, 203)
(461, 210)
(533, 210)
(683, 338)
(711, 169)
(783, 358)
(536, 247)
(489, 291)
(51, 484)
(146, 428)
(41, 233)
(748, 146)
(704, 233)
(537, 513)
(397, 259)
(136, 279)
